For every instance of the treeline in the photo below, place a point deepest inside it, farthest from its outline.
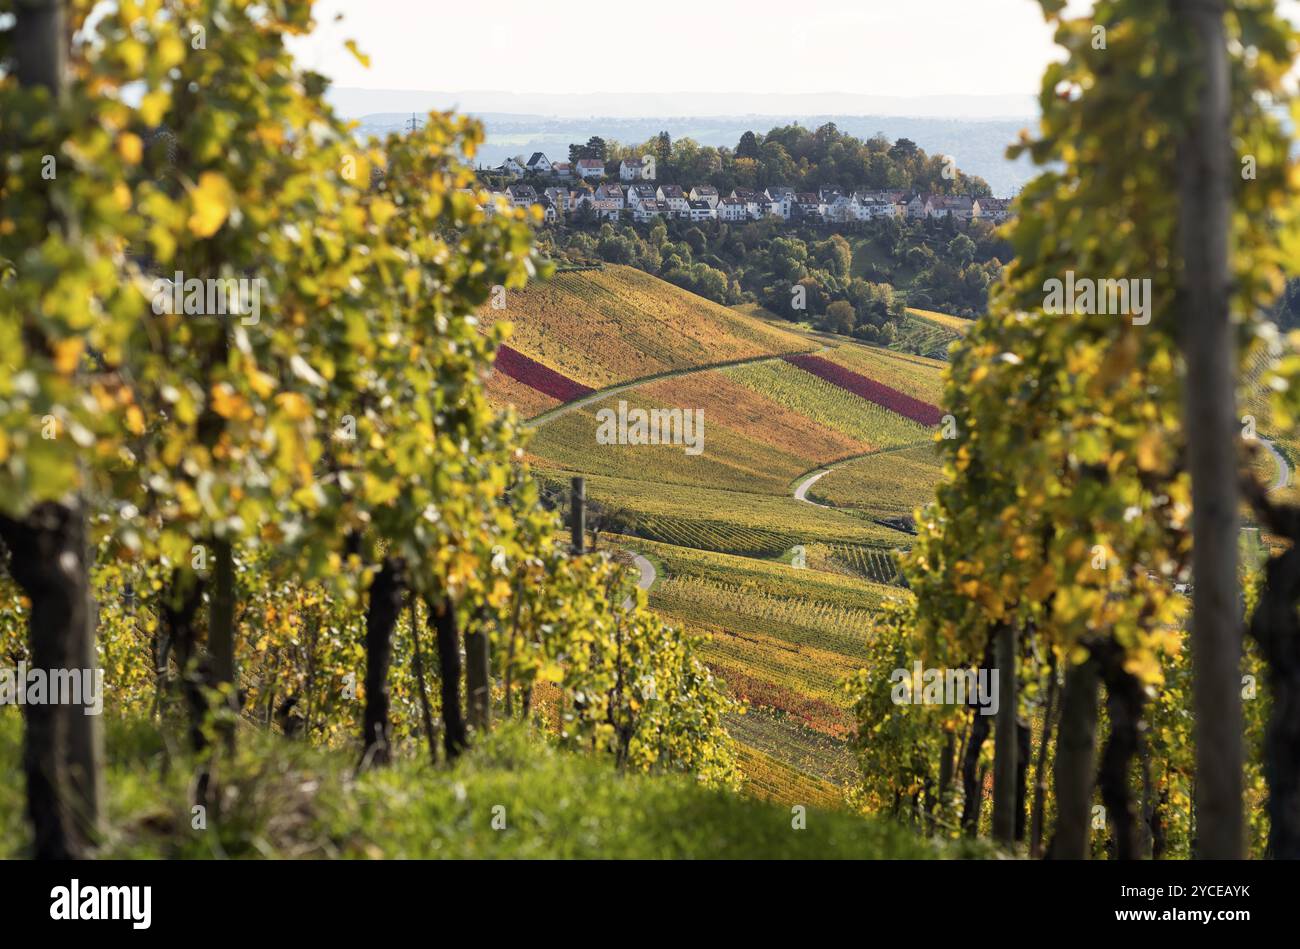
(1083, 559)
(796, 157)
(854, 283)
(291, 505)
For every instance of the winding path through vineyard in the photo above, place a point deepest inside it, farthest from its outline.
(801, 489)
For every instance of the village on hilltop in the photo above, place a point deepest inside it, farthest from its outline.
(586, 187)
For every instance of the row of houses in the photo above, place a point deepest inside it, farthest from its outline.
(584, 169)
(646, 202)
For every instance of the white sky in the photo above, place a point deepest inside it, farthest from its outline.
(755, 47)
(879, 47)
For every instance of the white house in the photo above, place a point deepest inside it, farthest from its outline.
(549, 214)
(676, 199)
(521, 196)
(561, 169)
(839, 209)
(921, 206)
(539, 164)
(590, 168)
(959, 206)
(782, 201)
(996, 210)
(562, 198)
(649, 210)
(638, 195)
(703, 211)
(706, 193)
(751, 200)
(732, 209)
(637, 169)
(514, 166)
(611, 192)
(808, 205)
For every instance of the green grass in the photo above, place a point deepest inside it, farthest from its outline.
(285, 801)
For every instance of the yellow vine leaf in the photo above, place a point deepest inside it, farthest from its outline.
(211, 199)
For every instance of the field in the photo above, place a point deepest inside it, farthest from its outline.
(753, 440)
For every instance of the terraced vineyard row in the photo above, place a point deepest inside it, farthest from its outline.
(771, 780)
(804, 622)
(713, 535)
(744, 440)
(956, 324)
(533, 374)
(871, 563)
(885, 396)
(801, 682)
(769, 577)
(789, 741)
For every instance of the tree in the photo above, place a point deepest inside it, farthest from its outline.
(840, 317)
(1210, 423)
(56, 248)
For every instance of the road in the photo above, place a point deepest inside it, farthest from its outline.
(1283, 469)
(801, 490)
(648, 576)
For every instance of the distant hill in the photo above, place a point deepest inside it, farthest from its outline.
(974, 130)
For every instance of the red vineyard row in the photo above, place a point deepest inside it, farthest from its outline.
(542, 378)
(877, 392)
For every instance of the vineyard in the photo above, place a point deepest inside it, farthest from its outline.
(828, 404)
(722, 527)
(917, 376)
(892, 483)
(918, 334)
(534, 375)
(602, 327)
(718, 515)
(886, 397)
(956, 324)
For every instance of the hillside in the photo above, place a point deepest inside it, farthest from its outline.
(598, 328)
(776, 536)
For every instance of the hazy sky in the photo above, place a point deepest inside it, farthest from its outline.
(880, 47)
